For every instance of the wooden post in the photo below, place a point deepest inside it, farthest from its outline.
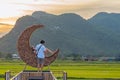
(7, 75)
(64, 76)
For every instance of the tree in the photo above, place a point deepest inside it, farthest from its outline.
(8, 56)
(0, 54)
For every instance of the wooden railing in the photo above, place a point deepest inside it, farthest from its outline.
(60, 75)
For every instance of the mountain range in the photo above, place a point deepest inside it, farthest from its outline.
(72, 34)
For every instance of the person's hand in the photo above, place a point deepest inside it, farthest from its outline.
(33, 49)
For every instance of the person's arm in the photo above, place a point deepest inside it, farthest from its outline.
(33, 49)
(48, 50)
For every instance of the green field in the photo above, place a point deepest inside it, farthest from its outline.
(76, 70)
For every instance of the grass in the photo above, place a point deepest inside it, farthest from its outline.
(76, 70)
(84, 70)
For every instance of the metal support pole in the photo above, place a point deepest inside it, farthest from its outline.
(25, 67)
(49, 67)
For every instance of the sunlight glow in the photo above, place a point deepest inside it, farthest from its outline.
(4, 29)
(11, 10)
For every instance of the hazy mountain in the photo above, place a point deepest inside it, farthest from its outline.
(69, 32)
(110, 21)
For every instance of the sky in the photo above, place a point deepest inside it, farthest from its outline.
(11, 10)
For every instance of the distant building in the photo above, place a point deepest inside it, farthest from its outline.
(89, 58)
(107, 58)
(15, 56)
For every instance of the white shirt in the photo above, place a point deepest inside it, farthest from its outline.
(40, 52)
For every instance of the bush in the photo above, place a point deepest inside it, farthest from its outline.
(8, 56)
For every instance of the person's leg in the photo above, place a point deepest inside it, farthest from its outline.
(41, 64)
(38, 64)
(38, 67)
(41, 67)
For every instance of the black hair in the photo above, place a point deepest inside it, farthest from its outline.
(42, 41)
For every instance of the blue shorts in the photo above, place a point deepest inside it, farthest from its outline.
(40, 60)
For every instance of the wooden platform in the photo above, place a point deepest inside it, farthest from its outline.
(34, 75)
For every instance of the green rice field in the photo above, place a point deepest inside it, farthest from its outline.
(76, 70)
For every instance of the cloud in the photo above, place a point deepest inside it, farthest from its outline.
(85, 8)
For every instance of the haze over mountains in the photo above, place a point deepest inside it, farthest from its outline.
(98, 36)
